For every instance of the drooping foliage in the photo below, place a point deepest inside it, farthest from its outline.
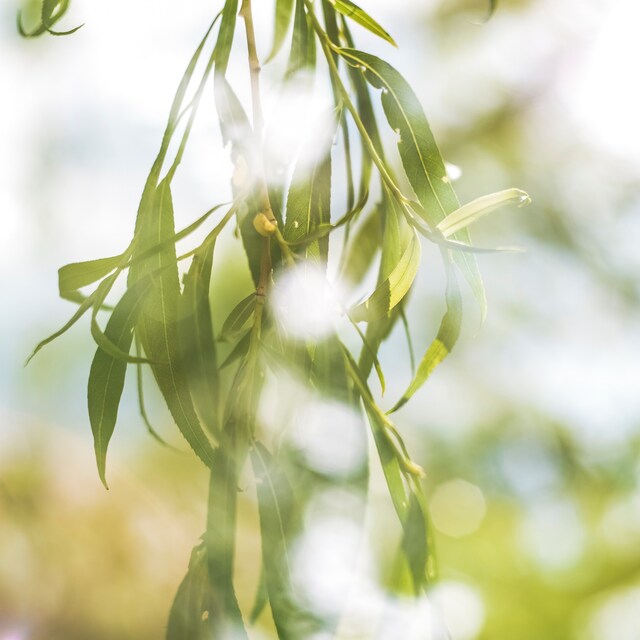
(326, 213)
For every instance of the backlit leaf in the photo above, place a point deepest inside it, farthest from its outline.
(355, 13)
(420, 155)
(158, 323)
(284, 11)
(107, 374)
(76, 275)
(392, 290)
(197, 345)
(472, 211)
(444, 342)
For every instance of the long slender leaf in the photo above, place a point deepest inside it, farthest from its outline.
(355, 13)
(276, 506)
(190, 615)
(392, 290)
(239, 317)
(158, 324)
(420, 155)
(284, 11)
(302, 55)
(444, 342)
(472, 211)
(225, 36)
(197, 345)
(225, 615)
(76, 275)
(107, 374)
(309, 199)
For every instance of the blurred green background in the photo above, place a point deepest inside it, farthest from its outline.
(529, 433)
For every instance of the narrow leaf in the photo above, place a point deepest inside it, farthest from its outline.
(472, 211)
(309, 198)
(190, 615)
(393, 289)
(239, 317)
(420, 155)
(444, 342)
(198, 349)
(225, 36)
(355, 13)
(284, 11)
(158, 325)
(76, 275)
(107, 374)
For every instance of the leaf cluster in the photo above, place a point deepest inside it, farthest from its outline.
(165, 326)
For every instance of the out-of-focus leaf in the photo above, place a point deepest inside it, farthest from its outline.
(362, 248)
(355, 13)
(236, 130)
(224, 615)
(52, 11)
(239, 351)
(276, 506)
(196, 340)
(302, 55)
(284, 11)
(474, 210)
(141, 403)
(392, 290)
(309, 199)
(239, 317)
(190, 615)
(225, 36)
(158, 323)
(420, 155)
(395, 229)
(262, 597)
(415, 542)
(107, 374)
(102, 339)
(445, 340)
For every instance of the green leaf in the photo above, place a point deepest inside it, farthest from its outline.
(52, 11)
(158, 324)
(239, 351)
(309, 198)
(394, 288)
(420, 155)
(284, 11)
(107, 374)
(197, 345)
(236, 130)
(76, 275)
(302, 55)
(355, 13)
(415, 542)
(395, 228)
(472, 211)
(362, 248)
(225, 36)
(101, 338)
(240, 315)
(276, 506)
(190, 615)
(445, 340)
(224, 615)
(86, 304)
